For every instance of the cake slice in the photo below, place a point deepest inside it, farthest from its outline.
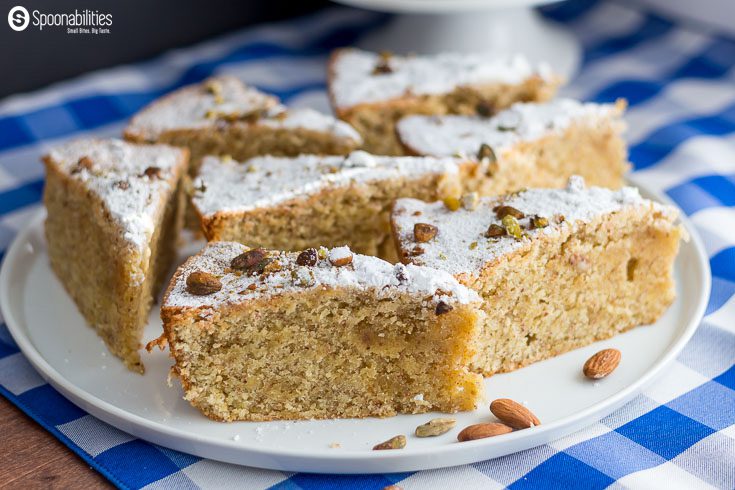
(114, 211)
(557, 268)
(372, 92)
(308, 201)
(224, 116)
(264, 335)
(528, 145)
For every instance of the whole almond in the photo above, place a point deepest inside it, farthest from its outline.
(435, 427)
(397, 442)
(481, 431)
(202, 283)
(602, 363)
(513, 413)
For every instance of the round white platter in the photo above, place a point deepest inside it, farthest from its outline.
(68, 354)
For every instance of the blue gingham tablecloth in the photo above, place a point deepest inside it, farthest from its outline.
(680, 82)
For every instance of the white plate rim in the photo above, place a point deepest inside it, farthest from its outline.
(373, 461)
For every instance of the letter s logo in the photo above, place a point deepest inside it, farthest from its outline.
(18, 18)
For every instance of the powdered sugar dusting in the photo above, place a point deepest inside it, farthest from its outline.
(524, 121)
(353, 81)
(363, 273)
(305, 118)
(461, 245)
(195, 107)
(116, 172)
(227, 185)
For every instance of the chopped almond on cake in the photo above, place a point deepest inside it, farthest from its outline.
(528, 145)
(557, 269)
(223, 116)
(114, 213)
(308, 201)
(264, 335)
(373, 91)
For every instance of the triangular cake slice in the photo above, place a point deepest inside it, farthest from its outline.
(222, 116)
(308, 201)
(264, 335)
(114, 211)
(373, 91)
(557, 268)
(528, 145)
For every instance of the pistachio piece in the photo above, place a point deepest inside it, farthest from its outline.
(442, 307)
(251, 262)
(452, 203)
(423, 232)
(308, 257)
(435, 427)
(152, 172)
(539, 222)
(484, 108)
(486, 153)
(502, 211)
(512, 226)
(495, 231)
(397, 442)
(383, 67)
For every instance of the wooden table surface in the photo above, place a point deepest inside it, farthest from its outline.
(32, 458)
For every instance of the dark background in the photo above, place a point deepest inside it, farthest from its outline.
(140, 29)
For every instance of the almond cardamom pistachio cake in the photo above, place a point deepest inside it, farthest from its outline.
(528, 145)
(308, 201)
(265, 335)
(114, 213)
(373, 91)
(557, 268)
(224, 116)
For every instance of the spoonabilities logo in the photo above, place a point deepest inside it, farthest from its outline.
(18, 18)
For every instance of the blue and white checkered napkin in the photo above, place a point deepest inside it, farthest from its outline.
(680, 83)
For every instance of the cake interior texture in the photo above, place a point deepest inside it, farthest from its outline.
(112, 283)
(376, 121)
(612, 274)
(357, 215)
(599, 154)
(243, 141)
(324, 354)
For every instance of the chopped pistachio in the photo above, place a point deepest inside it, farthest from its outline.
(539, 222)
(486, 153)
(484, 108)
(512, 226)
(495, 231)
(502, 211)
(423, 232)
(473, 245)
(452, 203)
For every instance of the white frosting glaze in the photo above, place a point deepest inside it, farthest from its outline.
(188, 107)
(463, 135)
(134, 205)
(353, 81)
(452, 249)
(364, 273)
(227, 185)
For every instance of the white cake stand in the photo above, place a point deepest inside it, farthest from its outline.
(495, 26)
